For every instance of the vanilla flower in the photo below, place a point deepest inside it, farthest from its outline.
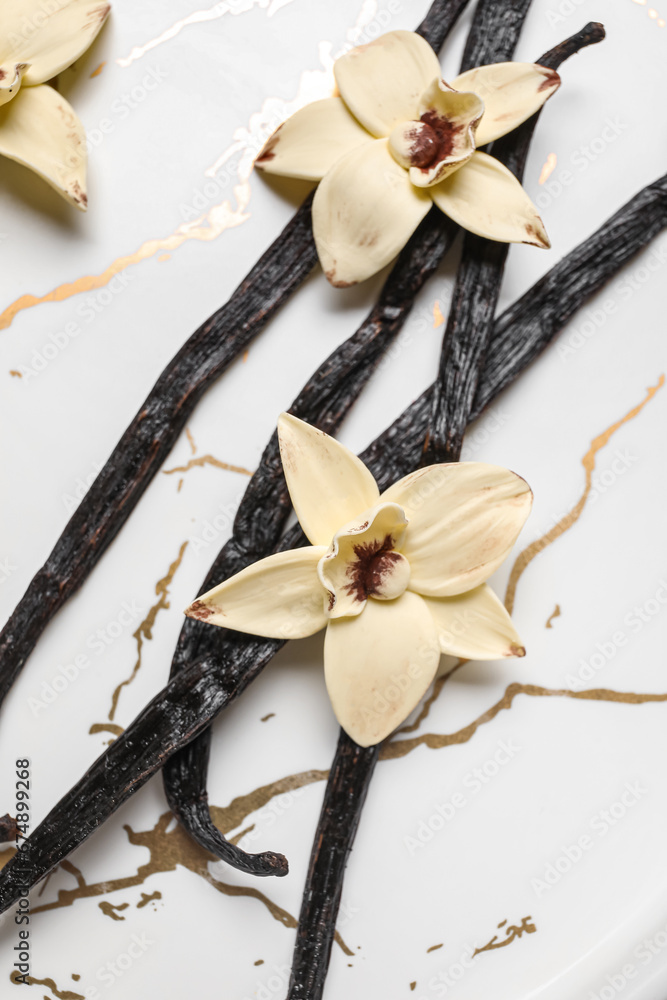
(398, 140)
(395, 578)
(38, 127)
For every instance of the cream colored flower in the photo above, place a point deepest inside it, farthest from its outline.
(39, 39)
(399, 139)
(396, 578)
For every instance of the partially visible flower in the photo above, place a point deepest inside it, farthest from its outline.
(396, 578)
(398, 140)
(38, 127)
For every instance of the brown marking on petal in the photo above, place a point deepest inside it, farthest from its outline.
(373, 562)
(79, 194)
(268, 152)
(445, 132)
(536, 238)
(551, 80)
(332, 600)
(515, 650)
(331, 278)
(99, 13)
(369, 239)
(3, 74)
(202, 612)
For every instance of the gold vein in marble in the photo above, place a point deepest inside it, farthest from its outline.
(218, 10)
(202, 460)
(436, 741)
(525, 558)
(554, 614)
(313, 85)
(147, 898)
(167, 852)
(170, 849)
(50, 984)
(144, 632)
(112, 909)
(217, 220)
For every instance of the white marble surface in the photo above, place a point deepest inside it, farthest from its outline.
(173, 125)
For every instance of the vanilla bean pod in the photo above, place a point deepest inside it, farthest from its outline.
(344, 798)
(530, 325)
(325, 400)
(196, 694)
(149, 438)
(440, 18)
(478, 281)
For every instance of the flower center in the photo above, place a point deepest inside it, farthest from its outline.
(414, 144)
(377, 571)
(363, 562)
(424, 143)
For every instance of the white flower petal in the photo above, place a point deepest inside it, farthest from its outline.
(511, 92)
(486, 198)
(379, 665)
(464, 518)
(452, 117)
(48, 35)
(361, 561)
(312, 140)
(475, 625)
(382, 82)
(41, 130)
(328, 484)
(279, 597)
(364, 212)
(10, 81)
